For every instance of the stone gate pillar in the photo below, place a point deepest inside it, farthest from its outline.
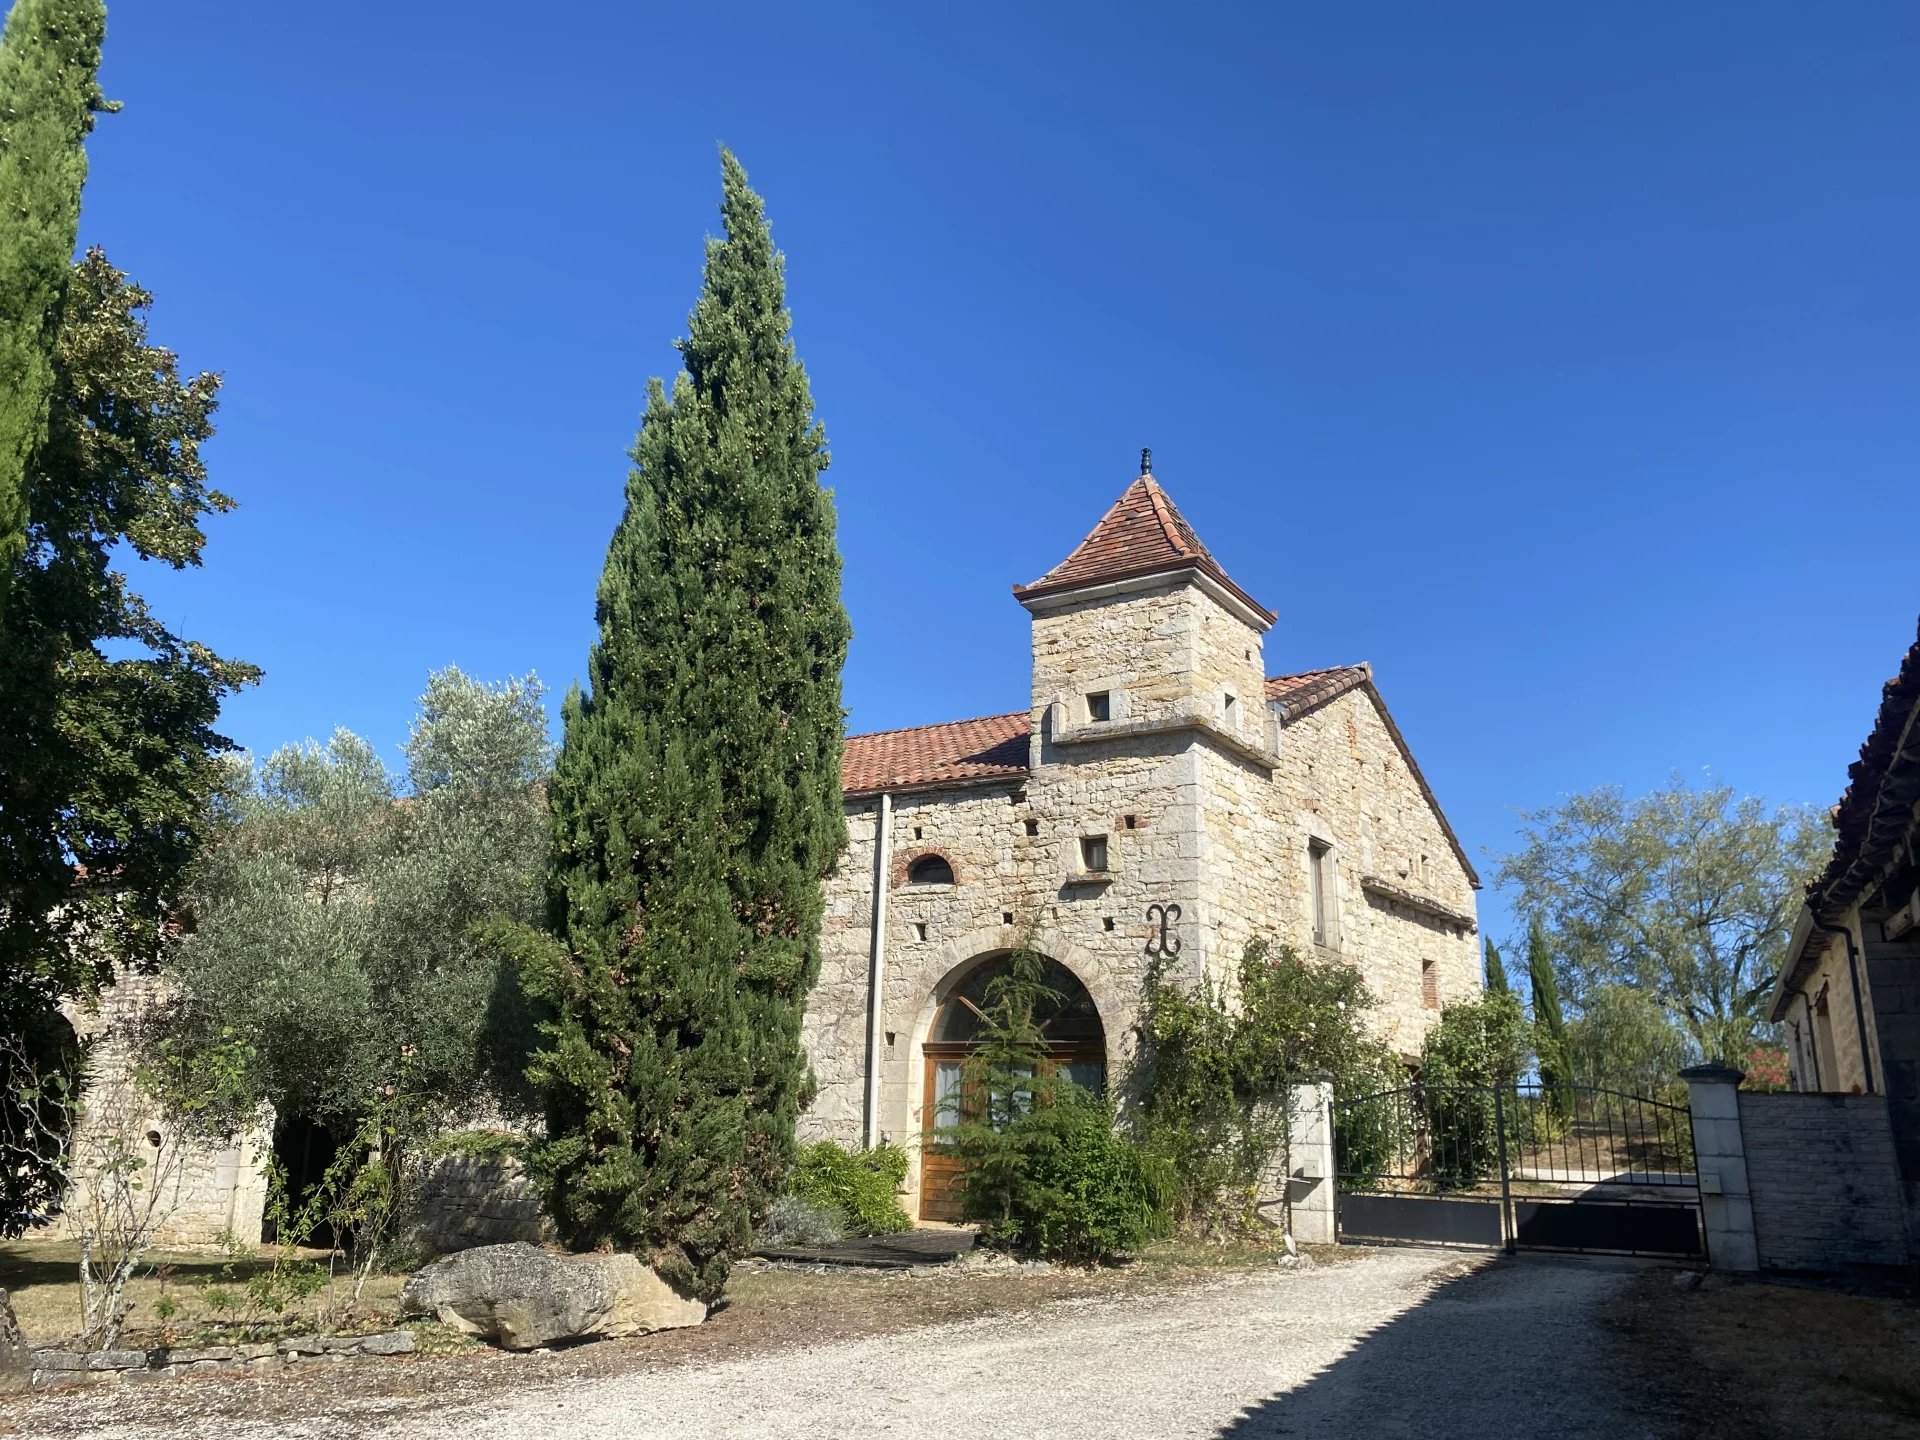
(1720, 1157)
(1302, 1179)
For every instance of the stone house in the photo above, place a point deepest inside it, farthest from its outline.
(1160, 799)
(1849, 991)
(1159, 795)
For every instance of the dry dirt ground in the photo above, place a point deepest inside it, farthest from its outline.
(1356, 1345)
(1376, 1344)
(1760, 1360)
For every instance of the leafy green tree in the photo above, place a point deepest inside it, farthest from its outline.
(1496, 972)
(1549, 1022)
(49, 94)
(1689, 894)
(109, 762)
(1623, 1040)
(338, 924)
(697, 798)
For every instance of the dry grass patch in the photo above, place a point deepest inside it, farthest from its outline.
(1752, 1360)
(203, 1291)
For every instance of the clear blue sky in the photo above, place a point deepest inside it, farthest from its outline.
(1561, 361)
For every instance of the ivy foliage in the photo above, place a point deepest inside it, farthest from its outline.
(1218, 1066)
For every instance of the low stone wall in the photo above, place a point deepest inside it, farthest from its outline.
(80, 1367)
(469, 1200)
(1824, 1180)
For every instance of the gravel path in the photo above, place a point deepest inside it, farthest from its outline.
(1398, 1343)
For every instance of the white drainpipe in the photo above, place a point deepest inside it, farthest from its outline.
(877, 969)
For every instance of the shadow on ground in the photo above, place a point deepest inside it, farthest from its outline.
(1511, 1348)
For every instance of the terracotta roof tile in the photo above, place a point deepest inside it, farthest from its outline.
(1310, 689)
(1876, 813)
(1143, 534)
(923, 756)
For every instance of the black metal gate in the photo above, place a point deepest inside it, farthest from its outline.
(1523, 1166)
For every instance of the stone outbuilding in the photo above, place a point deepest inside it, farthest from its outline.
(1849, 992)
(1160, 799)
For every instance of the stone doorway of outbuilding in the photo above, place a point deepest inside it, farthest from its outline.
(1076, 1050)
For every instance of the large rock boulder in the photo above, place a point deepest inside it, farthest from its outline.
(522, 1297)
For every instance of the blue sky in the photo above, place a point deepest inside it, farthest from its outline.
(1561, 362)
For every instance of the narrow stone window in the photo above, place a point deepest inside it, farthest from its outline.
(1093, 854)
(1006, 917)
(1033, 827)
(1106, 922)
(1229, 710)
(1429, 985)
(916, 832)
(1320, 876)
(930, 870)
(919, 929)
(1130, 822)
(1100, 705)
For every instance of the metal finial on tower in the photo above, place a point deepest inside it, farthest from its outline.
(1146, 462)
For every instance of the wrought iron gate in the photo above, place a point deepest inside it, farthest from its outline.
(1523, 1166)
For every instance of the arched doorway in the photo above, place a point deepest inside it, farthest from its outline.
(1076, 1050)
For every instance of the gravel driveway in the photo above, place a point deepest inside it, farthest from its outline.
(1397, 1343)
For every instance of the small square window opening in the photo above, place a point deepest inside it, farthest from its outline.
(1033, 827)
(1093, 854)
(1100, 705)
(1106, 922)
(920, 929)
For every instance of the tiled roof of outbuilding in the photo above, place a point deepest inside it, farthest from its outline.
(1143, 534)
(924, 756)
(1876, 813)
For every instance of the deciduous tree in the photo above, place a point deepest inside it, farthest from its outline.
(1687, 893)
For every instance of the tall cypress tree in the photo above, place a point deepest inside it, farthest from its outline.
(1549, 1024)
(49, 92)
(1496, 971)
(696, 797)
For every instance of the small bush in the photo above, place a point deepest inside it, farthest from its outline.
(793, 1221)
(861, 1186)
(1081, 1192)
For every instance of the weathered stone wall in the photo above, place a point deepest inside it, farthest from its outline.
(469, 1200)
(1198, 811)
(212, 1194)
(1343, 781)
(1825, 1186)
(1834, 1046)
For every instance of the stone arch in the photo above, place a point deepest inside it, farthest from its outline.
(905, 860)
(948, 964)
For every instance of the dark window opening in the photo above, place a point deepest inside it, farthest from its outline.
(1429, 985)
(1033, 827)
(919, 929)
(1093, 854)
(1100, 705)
(930, 870)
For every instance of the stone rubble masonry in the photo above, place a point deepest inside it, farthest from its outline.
(56, 1367)
(1206, 805)
(469, 1200)
(1826, 1192)
(216, 1193)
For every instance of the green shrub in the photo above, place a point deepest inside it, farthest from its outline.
(861, 1186)
(1081, 1191)
(1478, 1047)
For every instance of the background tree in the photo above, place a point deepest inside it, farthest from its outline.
(1688, 894)
(1623, 1039)
(1549, 1021)
(340, 922)
(697, 798)
(49, 94)
(108, 755)
(1496, 971)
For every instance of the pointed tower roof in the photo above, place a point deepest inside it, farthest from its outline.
(1143, 534)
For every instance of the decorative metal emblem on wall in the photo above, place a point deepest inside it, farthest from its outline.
(1167, 941)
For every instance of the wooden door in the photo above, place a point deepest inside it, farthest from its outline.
(939, 1167)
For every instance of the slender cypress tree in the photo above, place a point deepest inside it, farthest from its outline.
(1549, 1024)
(1496, 971)
(696, 798)
(49, 91)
